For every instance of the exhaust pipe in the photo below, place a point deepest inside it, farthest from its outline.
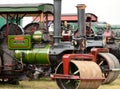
(81, 19)
(57, 22)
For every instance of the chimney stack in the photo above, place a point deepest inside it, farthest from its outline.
(81, 19)
(57, 22)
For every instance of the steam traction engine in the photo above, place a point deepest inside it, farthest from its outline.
(70, 65)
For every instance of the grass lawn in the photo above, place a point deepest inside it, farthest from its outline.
(49, 84)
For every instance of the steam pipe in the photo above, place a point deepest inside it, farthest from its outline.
(57, 22)
(81, 19)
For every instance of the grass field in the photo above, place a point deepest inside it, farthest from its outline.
(49, 84)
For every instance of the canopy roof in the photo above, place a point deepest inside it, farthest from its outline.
(26, 8)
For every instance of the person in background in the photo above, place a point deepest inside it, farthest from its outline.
(108, 34)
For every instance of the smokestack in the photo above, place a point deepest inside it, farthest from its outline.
(57, 22)
(81, 19)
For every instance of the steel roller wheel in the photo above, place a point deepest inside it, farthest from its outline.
(83, 69)
(117, 65)
(107, 61)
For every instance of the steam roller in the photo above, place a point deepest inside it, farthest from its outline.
(88, 74)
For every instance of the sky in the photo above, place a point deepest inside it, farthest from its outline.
(106, 10)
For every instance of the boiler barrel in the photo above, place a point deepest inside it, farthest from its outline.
(36, 55)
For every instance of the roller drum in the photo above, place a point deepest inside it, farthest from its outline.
(89, 72)
(107, 61)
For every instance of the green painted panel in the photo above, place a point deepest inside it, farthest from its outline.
(37, 55)
(19, 42)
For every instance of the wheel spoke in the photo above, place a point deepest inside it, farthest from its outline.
(100, 63)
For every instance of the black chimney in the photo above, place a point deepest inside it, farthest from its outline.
(81, 19)
(57, 22)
